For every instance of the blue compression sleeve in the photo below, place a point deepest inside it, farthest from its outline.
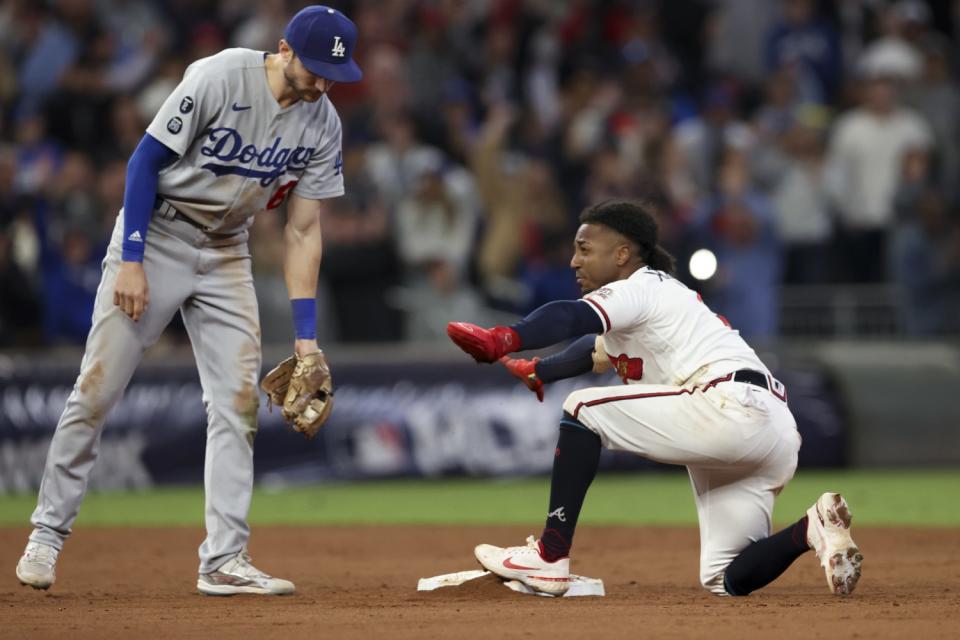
(573, 361)
(145, 164)
(304, 318)
(557, 321)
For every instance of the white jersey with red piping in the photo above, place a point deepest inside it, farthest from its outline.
(658, 331)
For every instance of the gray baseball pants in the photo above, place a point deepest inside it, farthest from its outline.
(208, 278)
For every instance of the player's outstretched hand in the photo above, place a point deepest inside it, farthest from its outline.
(130, 292)
(484, 345)
(526, 372)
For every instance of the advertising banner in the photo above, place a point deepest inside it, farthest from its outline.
(409, 418)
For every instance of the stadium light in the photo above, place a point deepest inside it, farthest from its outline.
(703, 264)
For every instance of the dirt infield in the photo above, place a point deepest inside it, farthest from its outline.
(361, 583)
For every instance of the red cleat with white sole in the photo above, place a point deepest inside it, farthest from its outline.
(828, 533)
(526, 565)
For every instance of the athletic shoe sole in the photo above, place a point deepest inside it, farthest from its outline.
(224, 590)
(841, 558)
(38, 583)
(213, 589)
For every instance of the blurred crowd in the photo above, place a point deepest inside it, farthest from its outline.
(802, 142)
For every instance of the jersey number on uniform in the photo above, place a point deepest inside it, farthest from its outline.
(280, 194)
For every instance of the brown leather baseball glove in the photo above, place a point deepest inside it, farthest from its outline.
(304, 388)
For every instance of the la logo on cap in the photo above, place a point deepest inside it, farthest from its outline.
(324, 40)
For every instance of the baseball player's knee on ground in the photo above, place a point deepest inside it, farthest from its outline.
(765, 559)
(734, 582)
(712, 572)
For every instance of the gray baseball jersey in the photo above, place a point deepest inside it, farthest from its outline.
(240, 152)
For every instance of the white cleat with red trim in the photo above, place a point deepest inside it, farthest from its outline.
(828, 533)
(526, 564)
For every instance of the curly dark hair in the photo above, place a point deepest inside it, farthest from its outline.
(634, 220)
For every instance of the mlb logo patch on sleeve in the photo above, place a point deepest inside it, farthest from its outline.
(174, 125)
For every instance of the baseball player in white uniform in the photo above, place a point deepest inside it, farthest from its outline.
(243, 132)
(694, 394)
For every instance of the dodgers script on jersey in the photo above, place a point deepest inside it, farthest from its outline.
(224, 120)
(657, 331)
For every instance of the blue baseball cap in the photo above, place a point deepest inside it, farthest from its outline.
(324, 39)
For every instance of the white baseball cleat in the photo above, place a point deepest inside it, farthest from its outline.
(37, 566)
(828, 533)
(237, 575)
(526, 565)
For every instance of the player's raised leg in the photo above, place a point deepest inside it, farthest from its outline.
(113, 351)
(224, 327)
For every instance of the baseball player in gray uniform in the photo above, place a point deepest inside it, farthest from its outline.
(243, 132)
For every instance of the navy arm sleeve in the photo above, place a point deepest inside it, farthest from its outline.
(557, 321)
(573, 361)
(143, 169)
